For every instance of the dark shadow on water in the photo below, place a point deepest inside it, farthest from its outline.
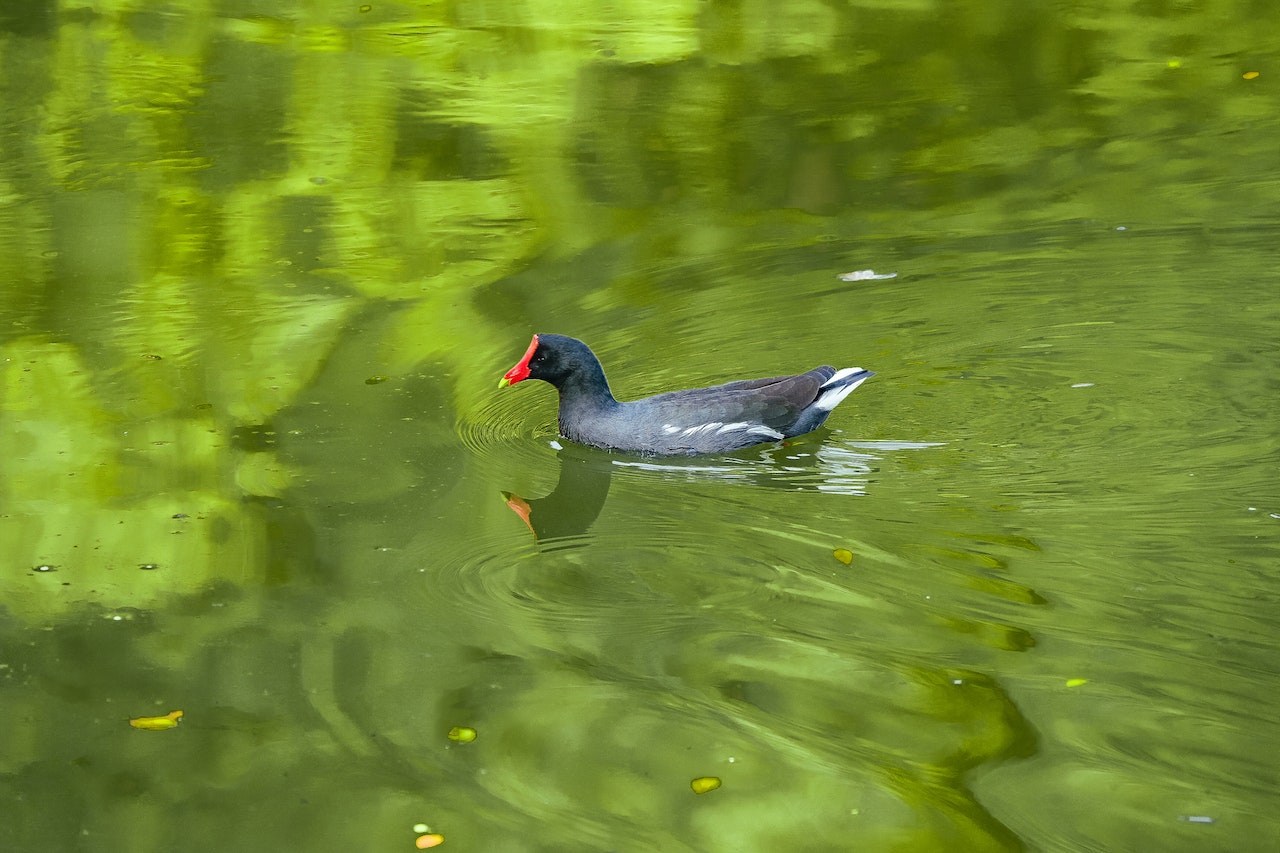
(575, 502)
(810, 463)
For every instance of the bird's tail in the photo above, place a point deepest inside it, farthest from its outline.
(839, 386)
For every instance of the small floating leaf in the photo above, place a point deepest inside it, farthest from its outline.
(703, 784)
(157, 724)
(1250, 75)
(1076, 682)
(462, 734)
(428, 841)
(375, 380)
(844, 555)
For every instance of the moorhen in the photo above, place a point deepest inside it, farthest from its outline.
(701, 420)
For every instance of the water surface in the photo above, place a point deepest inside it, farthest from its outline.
(265, 266)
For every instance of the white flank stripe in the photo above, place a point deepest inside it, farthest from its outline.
(761, 429)
(669, 429)
(691, 431)
(732, 427)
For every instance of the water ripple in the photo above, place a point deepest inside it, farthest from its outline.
(501, 421)
(827, 466)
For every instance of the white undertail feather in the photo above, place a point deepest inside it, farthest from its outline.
(828, 400)
(841, 374)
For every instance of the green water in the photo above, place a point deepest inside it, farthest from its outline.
(263, 267)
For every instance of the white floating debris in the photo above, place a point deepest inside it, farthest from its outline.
(896, 445)
(864, 275)
(1083, 385)
(556, 445)
(1198, 818)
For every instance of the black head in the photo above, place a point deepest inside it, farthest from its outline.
(557, 359)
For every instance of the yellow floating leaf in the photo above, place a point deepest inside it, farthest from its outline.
(1250, 75)
(425, 842)
(844, 555)
(462, 734)
(1076, 682)
(157, 724)
(703, 784)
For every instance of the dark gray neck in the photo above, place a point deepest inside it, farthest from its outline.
(584, 398)
(587, 386)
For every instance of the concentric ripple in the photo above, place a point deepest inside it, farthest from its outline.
(619, 588)
(501, 422)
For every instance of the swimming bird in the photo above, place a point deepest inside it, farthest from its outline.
(718, 419)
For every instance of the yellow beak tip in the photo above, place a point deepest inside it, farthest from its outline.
(504, 382)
